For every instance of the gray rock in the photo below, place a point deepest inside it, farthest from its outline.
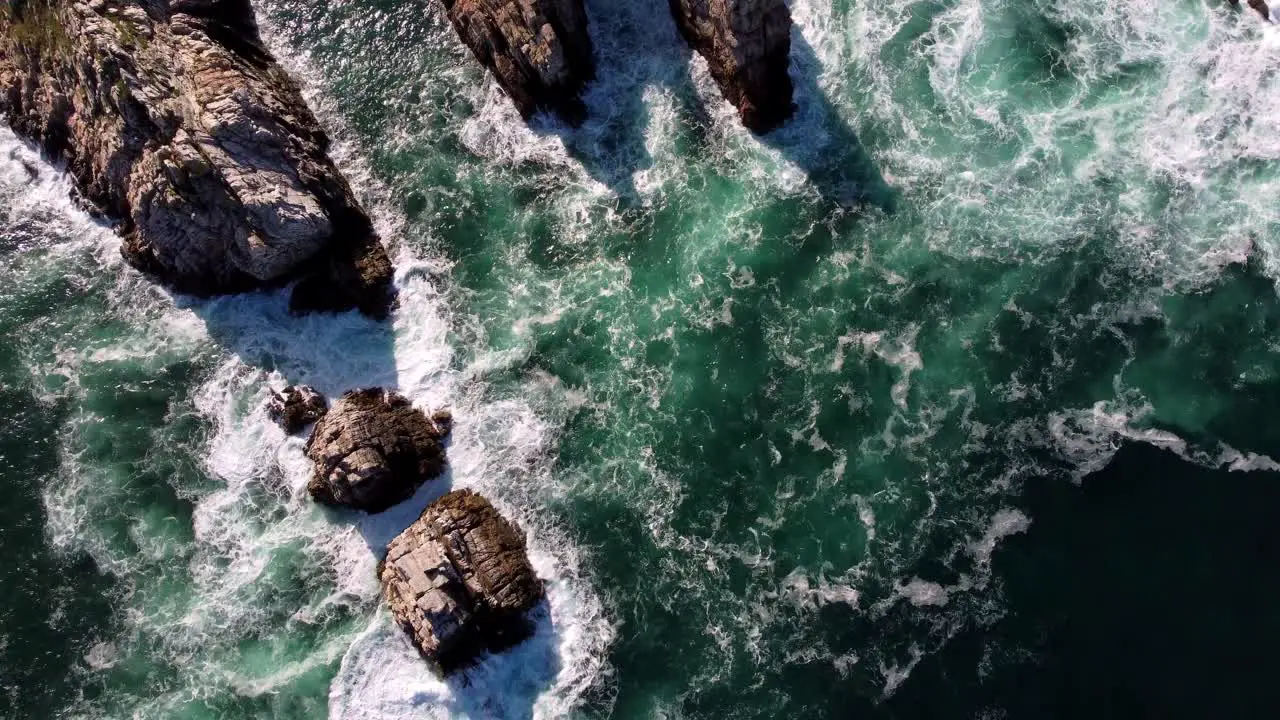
(747, 45)
(296, 407)
(175, 122)
(373, 449)
(538, 50)
(459, 583)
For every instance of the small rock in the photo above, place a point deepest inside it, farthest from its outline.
(296, 407)
(459, 583)
(443, 420)
(372, 450)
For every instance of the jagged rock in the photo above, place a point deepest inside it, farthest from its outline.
(176, 123)
(539, 50)
(372, 450)
(747, 45)
(296, 407)
(459, 583)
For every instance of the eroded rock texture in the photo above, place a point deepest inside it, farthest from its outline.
(175, 122)
(539, 50)
(459, 583)
(373, 449)
(747, 45)
(296, 407)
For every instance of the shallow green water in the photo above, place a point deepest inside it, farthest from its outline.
(796, 425)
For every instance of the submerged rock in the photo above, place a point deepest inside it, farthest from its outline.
(296, 407)
(372, 450)
(538, 50)
(459, 582)
(747, 45)
(177, 124)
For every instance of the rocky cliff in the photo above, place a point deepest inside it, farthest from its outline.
(747, 45)
(458, 581)
(538, 50)
(178, 125)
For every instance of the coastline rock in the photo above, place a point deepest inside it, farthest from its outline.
(538, 50)
(372, 450)
(175, 123)
(296, 407)
(1258, 5)
(459, 583)
(747, 45)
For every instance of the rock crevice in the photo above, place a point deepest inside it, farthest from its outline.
(175, 122)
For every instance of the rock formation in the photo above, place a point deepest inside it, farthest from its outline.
(296, 407)
(747, 45)
(1259, 5)
(459, 583)
(373, 449)
(539, 50)
(176, 124)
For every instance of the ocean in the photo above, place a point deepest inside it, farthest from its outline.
(950, 398)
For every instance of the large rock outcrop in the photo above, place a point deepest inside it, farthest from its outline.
(747, 45)
(539, 50)
(459, 583)
(177, 124)
(373, 449)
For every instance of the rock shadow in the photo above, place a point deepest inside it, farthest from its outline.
(333, 352)
(818, 140)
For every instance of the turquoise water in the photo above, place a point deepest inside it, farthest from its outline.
(950, 398)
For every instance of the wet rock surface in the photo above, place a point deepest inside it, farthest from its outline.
(538, 50)
(296, 407)
(175, 123)
(747, 45)
(459, 583)
(373, 449)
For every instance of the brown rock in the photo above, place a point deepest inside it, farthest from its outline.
(459, 583)
(175, 122)
(1259, 5)
(747, 45)
(538, 50)
(372, 450)
(296, 407)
